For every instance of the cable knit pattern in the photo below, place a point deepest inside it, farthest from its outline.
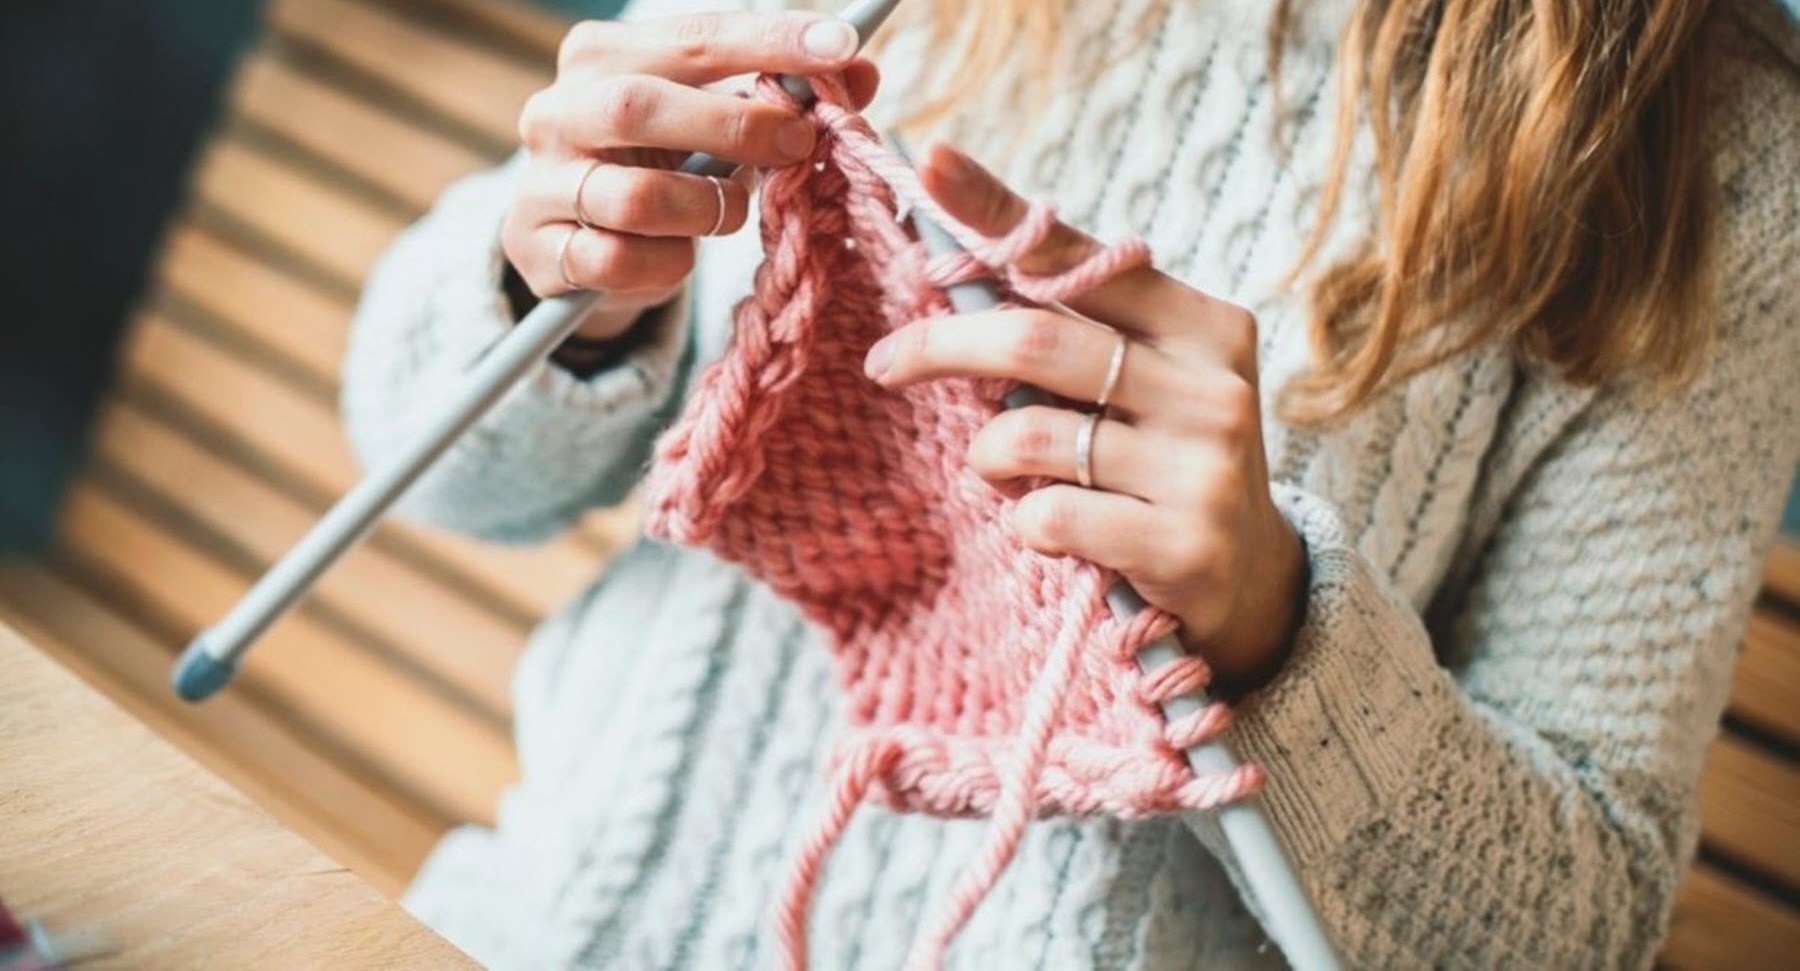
(1524, 606)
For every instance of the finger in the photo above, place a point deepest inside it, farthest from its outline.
(703, 48)
(640, 111)
(643, 202)
(1116, 531)
(602, 260)
(1044, 442)
(1061, 354)
(1145, 300)
(861, 79)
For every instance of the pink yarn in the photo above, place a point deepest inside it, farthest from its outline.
(982, 679)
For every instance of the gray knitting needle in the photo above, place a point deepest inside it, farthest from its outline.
(213, 657)
(1264, 861)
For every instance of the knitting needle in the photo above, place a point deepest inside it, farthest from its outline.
(1264, 861)
(214, 656)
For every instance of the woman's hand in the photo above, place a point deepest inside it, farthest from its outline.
(1180, 502)
(627, 105)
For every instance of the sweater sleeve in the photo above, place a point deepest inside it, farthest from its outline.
(553, 448)
(1519, 789)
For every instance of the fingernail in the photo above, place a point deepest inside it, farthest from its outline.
(829, 40)
(879, 359)
(795, 139)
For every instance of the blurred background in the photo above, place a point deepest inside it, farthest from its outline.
(193, 192)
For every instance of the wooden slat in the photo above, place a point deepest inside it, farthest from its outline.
(409, 161)
(437, 628)
(1750, 807)
(435, 751)
(299, 435)
(299, 432)
(1781, 577)
(1766, 688)
(452, 77)
(325, 226)
(307, 328)
(360, 824)
(1720, 923)
(537, 30)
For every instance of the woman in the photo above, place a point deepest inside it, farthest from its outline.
(1469, 513)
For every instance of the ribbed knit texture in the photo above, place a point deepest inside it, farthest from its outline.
(1525, 598)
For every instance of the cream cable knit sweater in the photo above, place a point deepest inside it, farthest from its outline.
(1524, 607)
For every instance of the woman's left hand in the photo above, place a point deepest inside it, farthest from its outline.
(1180, 502)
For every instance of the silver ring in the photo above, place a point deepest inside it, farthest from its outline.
(1114, 368)
(562, 258)
(718, 185)
(581, 216)
(1084, 449)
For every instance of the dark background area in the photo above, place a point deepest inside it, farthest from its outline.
(102, 103)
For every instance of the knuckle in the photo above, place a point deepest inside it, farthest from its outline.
(697, 35)
(737, 208)
(1212, 483)
(739, 129)
(624, 103)
(1192, 556)
(1237, 334)
(636, 203)
(1224, 491)
(1033, 438)
(583, 40)
(1236, 409)
(536, 119)
(513, 237)
(1051, 517)
(605, 261)
(667, 272)
(1037, 340)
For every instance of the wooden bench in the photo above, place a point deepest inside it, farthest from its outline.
(378, 715)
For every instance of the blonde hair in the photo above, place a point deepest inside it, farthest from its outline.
(1541, 173)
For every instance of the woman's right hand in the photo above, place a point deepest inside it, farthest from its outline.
(627, 102)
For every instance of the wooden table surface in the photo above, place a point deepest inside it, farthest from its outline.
(104, 825)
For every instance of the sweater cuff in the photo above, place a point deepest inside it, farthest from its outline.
(1341, 726)
(472, 314)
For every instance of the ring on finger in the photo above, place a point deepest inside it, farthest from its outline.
(718, 185)
(581, 216)
(1084, 449)
(1114, 368)
(562, 258)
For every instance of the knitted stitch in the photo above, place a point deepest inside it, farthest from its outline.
(983, 678)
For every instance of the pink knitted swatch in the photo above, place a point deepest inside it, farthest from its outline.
(982, 679)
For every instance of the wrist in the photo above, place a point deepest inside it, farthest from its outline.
(1253, 644)
(611, 320)
(584, 356)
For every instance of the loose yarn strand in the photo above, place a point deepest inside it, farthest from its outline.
(1018, 798)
